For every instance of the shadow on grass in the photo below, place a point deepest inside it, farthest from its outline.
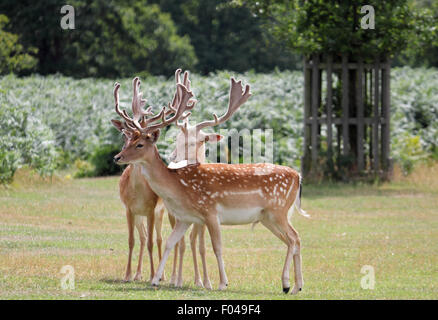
(117, 281)
(123, 286)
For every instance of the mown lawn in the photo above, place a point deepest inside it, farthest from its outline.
(391, 227)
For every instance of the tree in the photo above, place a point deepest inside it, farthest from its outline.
(422, 49)
(227, 37)
(13, 56)
(110, 39)
(316, 26)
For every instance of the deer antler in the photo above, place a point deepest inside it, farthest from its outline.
(128, 124)
(175, 100)
(138, 102)
(182, 102)
(179, 106)
(236, 99)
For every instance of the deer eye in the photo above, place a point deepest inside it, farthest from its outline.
(138, 146)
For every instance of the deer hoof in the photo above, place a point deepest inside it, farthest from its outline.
(199, 283)
(223, 286)
(295, 290)
(207, 285)
(286, 290)
(155, 282)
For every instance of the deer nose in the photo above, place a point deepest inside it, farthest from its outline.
(117, 158)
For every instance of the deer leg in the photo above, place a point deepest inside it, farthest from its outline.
(173, 278)
(193, 236)
(142, 233)
(182, 249)
(299, 283)
(201, 233)
(150, 233)
(285, 276)
(215, 235)
(176, 235)
(284, 231)
(131, 241)
(159, 239)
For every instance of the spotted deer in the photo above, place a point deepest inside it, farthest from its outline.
(190, 149)
(140, 201)
(216, 193)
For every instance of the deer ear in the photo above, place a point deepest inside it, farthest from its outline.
(153, 137)
(213, 137)
(118, 124)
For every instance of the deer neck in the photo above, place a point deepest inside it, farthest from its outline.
(159, 177)
(136, 176)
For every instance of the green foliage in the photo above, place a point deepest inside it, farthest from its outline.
(110, 39)
(9, 163)
(422, 49)
(103, 160)
(415, 101)
(408, 151)
(13, 56)
(24, 139)
(228, 37)
(316, 26)
(83, 169)
(74, 115)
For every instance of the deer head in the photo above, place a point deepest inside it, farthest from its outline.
(190, 141)
(142, 133)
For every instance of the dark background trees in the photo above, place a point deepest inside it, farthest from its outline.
(228, 37)
(120, 38)
(111, 38)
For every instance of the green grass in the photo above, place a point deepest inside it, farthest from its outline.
(392, 227)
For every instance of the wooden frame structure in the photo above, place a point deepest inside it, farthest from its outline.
(346, 116)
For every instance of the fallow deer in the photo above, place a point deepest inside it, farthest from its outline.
(214, 194)
(140, 201)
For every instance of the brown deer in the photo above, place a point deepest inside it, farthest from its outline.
(214, 194)
(140, 201)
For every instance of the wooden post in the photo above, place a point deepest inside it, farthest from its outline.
(307, 86)
(365, 102)
(315, 105)
(376, 118)
(386, 96)
(360, 115)
(370, 101)
(345, 106)
(329, 106)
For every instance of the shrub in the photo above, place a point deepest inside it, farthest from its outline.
(24, 139)
(13, 57)
(9, 162)
(83, 169)
(103, 160)
(408, 151)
